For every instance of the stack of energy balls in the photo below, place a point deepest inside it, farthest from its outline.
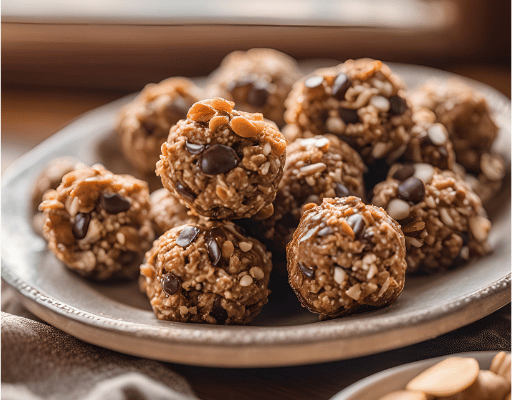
(363, 182)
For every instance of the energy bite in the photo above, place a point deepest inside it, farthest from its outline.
(167, 212)
(257, 80)
(318, 167)
(442, 218)
(223, 163)
(207, 272)
(50, 178)
(345, 254)
(429, 142)
(465, 114)
(144, 124)
(97, 222)
(361, 101)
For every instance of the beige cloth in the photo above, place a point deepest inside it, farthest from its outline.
(41, 362)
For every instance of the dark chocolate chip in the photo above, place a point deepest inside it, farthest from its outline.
(357, 224)
(213, 250)
(314, 81)
(348, 116)
(114, 203)
(216, 233)
(341, 190)
(194, 148)
(325, 231)
(170, 284)
(218, 312)
(308, 272)
(340, 86)
(184, 192)
(81, 225)
(187, 235)
(465, 238)
(128, 257)
(397, 105)
(218, 159)
(257, 95)
(403, 173)
(413, 189)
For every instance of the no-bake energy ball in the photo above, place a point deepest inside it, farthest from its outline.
(318, 167)
(167, 212)
(345, 254)
(360, 101)
(207, 272)
(466, 115)
(223, 163)
(257, 80)
(442, 218)
(144, 124)
(97, 222)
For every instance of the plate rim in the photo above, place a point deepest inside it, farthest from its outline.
(356, 387)
(304, 335)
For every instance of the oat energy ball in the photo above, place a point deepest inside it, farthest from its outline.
(345, 254)
(360, 101)
(97, 222)
(223, 163)
(143, 125)
(167, 212)
(207, 272)
(50, 178)
(465, 114)
(257, 80)
(442, 218)
(318, 167)
(429, 142)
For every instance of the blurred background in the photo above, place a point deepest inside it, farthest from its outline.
(61, 58)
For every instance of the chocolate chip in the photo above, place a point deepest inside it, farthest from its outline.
(81, 225)
(314, 81)
(184, 192)
(213, 250)
(170, 284)
(412, 189)
(218, 159)
(348, 116)
(308, 272)
(194, 148)
(341, 190)
(187, 235)
(340, 86)
(216, 233)
(218, 312)
(114, 203)
(325, 231)
(127, 257)
(403, 173)
(258, 94)
(465, 238)
(397, 105)
(357, 224)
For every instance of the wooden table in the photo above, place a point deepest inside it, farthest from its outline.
(29, 115)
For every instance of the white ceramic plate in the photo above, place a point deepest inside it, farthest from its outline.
(382, 383)
(117, 316)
